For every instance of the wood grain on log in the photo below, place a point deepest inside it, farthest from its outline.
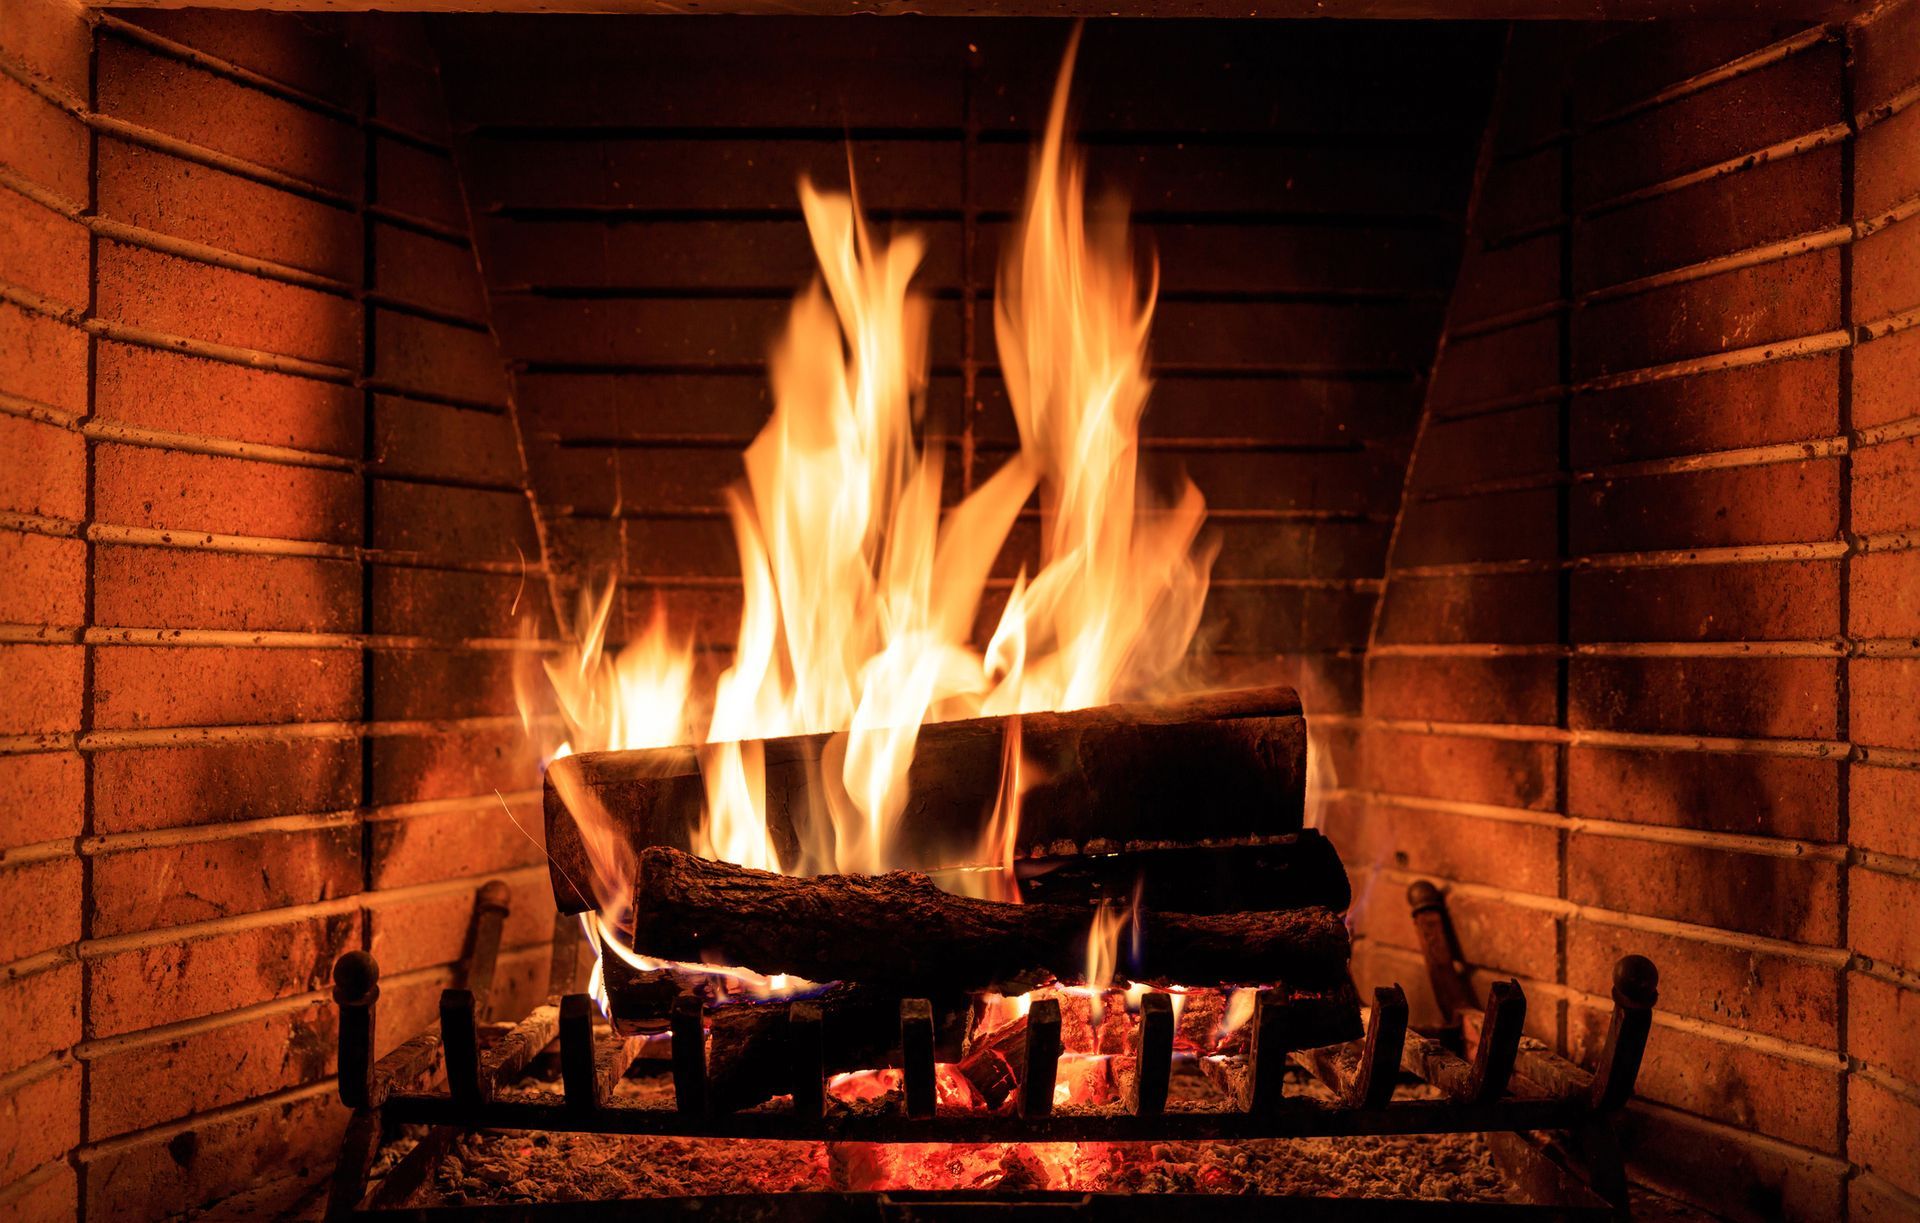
(1214, 767)
(900, 932)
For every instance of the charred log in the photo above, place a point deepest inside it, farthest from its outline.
(900, 932)
(1214, 767)
(1292, 872)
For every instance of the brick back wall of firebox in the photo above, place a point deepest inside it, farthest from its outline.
(1644, 675)
(634, 189)
(264, 521)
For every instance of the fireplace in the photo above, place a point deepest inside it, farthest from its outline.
(1550, 386)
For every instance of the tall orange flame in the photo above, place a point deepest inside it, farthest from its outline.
(860, 595)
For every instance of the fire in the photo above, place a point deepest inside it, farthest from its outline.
(860, 595)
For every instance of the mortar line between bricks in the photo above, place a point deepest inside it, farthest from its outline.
(23, 1188)
(1700, 838)
(1773, 1046)
(1779, 151)
(196, 834)
(168, 936)
(1734, 68)
(1888, 109)
(1821, 749)
(1731, 1134)
(166, 1033)
(88, 1152)
(1750, 257)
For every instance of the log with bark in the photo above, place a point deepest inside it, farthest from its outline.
(1291, 872)
(900, 932)
(1221, 766)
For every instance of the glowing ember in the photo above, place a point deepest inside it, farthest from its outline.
(860, 596)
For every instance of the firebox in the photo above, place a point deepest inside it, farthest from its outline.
(934, 610)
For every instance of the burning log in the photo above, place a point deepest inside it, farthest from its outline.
(749, 1054)
(1216, 767)
(900, 932)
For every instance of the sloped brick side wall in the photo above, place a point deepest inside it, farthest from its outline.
(263, 529)
(1643, 676)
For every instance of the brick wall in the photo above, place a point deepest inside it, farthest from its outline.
(1643, 674)
(264, 529)
(634, 191)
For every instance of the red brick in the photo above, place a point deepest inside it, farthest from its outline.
(46, 469)
(1782, 796)
(429, 929)
(1742, 115)
(215, 112)
(1731, 1083)
(147, 986)
(1885, 594)
(1752, 405)
(1886, 486)
(1523, 359)
(1776, 897)
(1460, 768)
(1497, 446)
(451, 606)
(187, 588)
(307, 56)
(429, 847)
(418, 182)
(1885, 372)
(434, 358)
(1513, 688)
(421, 684)
(1770, 201)
(50, 1195)
(1885, 280)
(1881, 805)
(1469, 849)
(173, 885)
(1520, 524)
(1504, 937)
(1880, 910)
(428, 271)
(1880, 695)
(1885, 62)
(453, 523)
(1270, 620)
(42, 359)
(703, 331)
(1505, 608)
(1743, 308)
(433, 441)
(39, 1015)
(138, 789)
(180, 393)
(1741, 988)
(1871, 1199)
(41, 797)
(1500, 280)
(39, 1120)
(189, 200)
(1723, 1164)
(140, 686)
(45, 912)
(1782, 601)
(175, 296)
(1521, 193)
(1629, 66)
(50, 39)
(278, 1144)
(1789, 698)
(42, 251)
(44, 686)
(144, 487)
(1721, 507)
(47, 582)
(1881, 1020)
(145, 1085)
(1880, 1132)
(451, 764)
(408, 98)
(1886, 165)
(42, 143)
